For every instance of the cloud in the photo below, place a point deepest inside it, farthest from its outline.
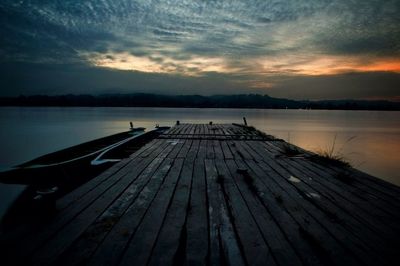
(158, 63)
(209, 26)
(325, 65)
(32, 78)
(258, 41)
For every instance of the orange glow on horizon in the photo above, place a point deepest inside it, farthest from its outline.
(308, 65)
(329, 65)
(389, 65)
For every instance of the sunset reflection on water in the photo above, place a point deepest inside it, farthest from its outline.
(374, 146)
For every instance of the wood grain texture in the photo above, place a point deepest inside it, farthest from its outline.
(220, 194)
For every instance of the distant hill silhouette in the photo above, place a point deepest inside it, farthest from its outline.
(197, 101)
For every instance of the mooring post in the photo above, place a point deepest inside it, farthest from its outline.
(210, 123)
(244, 120)
(131, 124)
(177, 122)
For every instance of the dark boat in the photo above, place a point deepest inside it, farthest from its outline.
(53, 175)
(49, 168)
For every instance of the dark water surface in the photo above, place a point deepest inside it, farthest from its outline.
(370, 140)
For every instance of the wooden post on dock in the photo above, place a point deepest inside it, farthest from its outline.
(131, 125)
(244, 120)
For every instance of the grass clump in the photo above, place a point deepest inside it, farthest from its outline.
(288, 149)
(332, 155)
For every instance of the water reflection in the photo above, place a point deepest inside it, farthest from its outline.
(29, 132)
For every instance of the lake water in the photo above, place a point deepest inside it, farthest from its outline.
(370, 140)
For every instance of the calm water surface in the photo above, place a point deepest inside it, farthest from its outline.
(374, 146)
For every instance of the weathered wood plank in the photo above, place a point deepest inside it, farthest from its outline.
(193, 129)
(36, 238)
(70, 233)
(82, 249)
(192, 153)
(128, 177)
(381, 191)
(253, 245)
(321, 225)
(366, 193)
(326, 196)
(197, 222)
(202, 153)
(226, 150)
(185, 149)
(188, 128)
(333, 207)
(179, 144)
(274, 236)
(210, 154)
(239, 151)
(329, 216)
(245, 148)
(223, 242)
(218, 195)
(112, 248)
(170, 247)
(344, 185)
(360, 210)
(305, 250)
(85, 245)
(355, 211)
(151, 149)
(143, 240)
(217, 149)
(92, 184)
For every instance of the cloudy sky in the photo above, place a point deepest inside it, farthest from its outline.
(285, 48)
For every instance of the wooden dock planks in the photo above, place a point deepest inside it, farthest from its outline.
(217, 194)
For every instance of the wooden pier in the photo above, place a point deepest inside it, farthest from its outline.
(219, 195)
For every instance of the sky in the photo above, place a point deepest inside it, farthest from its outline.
(294, 49)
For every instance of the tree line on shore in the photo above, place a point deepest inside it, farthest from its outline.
(194, 101)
